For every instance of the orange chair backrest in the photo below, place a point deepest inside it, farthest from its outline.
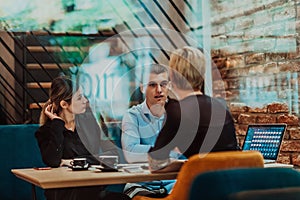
(200, 163)
(209, 162)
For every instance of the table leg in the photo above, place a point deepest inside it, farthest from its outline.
(33, 191)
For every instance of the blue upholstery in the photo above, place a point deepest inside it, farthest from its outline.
(19, 149)
(220, 185)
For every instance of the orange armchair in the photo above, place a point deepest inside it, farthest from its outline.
(208, 162)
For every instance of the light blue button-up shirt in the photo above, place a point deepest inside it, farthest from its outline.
(139, 132)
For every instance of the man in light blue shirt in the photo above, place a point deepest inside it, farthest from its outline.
(141, 123)
(140, 129)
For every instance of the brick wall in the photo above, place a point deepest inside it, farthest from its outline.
(256, 39)
(256, 65)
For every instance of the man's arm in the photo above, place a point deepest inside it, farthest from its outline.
(133, 150)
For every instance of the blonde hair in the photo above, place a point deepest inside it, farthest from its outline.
(61, 89)
(188, 68)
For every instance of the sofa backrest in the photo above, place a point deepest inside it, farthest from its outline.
(18, 149)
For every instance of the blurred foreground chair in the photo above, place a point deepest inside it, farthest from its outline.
(200, 163)
(247, 184)
(289, 193)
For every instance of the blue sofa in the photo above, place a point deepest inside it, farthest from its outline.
(19, 149)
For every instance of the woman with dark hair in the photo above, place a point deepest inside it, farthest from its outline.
(69, 130)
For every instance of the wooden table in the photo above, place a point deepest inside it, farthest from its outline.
(65, 177)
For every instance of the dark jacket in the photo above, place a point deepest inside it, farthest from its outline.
(195, 124)
(56, 143)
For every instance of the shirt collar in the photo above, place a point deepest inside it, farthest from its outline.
(145, 108)
(147, 112)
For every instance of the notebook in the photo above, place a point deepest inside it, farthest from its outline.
(265, 138)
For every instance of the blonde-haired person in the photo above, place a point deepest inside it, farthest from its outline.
(195, 122)
(69, 130)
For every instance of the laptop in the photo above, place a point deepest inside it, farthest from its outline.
(266, 138)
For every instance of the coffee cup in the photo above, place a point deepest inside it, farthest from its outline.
(109, 162)
(79, 163)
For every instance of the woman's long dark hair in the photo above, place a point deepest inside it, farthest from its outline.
(62, 88)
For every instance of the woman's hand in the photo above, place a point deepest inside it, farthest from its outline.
(174, 166)
(50, 113)
(65, 162)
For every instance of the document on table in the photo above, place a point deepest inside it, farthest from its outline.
(130, 167)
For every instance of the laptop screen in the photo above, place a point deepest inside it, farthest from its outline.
(265, 138)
